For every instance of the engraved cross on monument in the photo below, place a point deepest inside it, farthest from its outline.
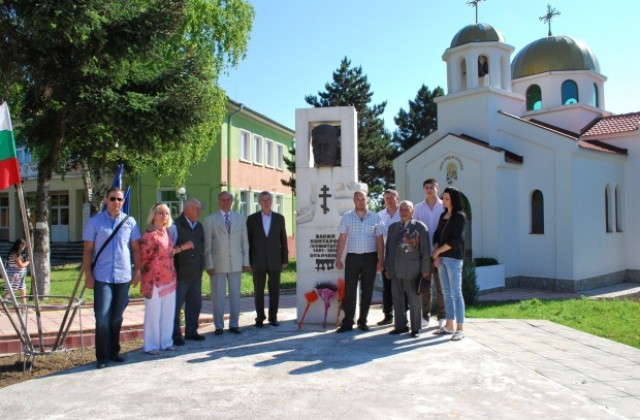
(326, 178)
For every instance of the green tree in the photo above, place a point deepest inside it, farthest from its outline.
(350, 87)
(96, 82)
(420, 121)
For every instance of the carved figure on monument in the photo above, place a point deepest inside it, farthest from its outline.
(324, 140)
(307, 213)
(343, 195)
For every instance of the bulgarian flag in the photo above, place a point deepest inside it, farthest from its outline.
(9, 168)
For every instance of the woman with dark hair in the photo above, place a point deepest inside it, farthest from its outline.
(17, 270)
(448, 253)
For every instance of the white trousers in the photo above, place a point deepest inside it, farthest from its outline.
(218, 289)
(158, 320)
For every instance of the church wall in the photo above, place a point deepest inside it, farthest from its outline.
(597, 251)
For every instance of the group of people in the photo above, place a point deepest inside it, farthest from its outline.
(412, 247)
(168, 261)
(415, 248)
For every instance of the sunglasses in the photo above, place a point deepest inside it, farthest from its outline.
(119, 199)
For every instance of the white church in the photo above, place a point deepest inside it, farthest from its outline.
(551, 179)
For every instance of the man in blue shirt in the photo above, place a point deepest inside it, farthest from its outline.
(111, 275)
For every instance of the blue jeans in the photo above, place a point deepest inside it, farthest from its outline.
(109, 303)
(451, 278)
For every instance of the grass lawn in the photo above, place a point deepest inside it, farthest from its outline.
(64, 279)
(615, 319)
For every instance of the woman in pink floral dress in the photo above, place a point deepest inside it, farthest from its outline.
(158, 283)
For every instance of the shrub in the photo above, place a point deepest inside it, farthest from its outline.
(480, 262)
(469, 285)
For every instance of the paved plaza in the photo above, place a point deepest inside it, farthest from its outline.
(503, 369)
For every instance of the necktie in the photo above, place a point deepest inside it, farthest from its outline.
(227, 222)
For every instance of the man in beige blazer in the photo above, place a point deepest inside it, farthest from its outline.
(226, 250)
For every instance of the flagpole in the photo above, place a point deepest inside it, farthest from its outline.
(34, 282)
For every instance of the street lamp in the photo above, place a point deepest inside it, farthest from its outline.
(182, 193)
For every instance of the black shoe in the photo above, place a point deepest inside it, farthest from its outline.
(218, 331)
(415, 334)
(396, 331)
(362, 326)
(235, 330)
(101, 364)
(386, 321)
(344, 328)
(259, 324)
(178, 341)
(117, 358)
(194, 337)
(275, 322)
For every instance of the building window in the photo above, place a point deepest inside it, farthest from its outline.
(4, 212)
(245, 146)
(534, 98)
(537, 212)
(618, 208)
(280, 157)
(569, 92)
(256, 202)
(268, 152)
(594, 96)
(243, 206)
(279, 204)
(257, 149)
(607, 207)
(171, 199)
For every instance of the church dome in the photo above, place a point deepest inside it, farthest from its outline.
(478, 32)
(553, 53)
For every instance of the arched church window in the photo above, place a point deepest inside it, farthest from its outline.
(463, 74)
(537, 212)
(534, 98)
(483, 66)
(594, 96)
(569, 92)
(607, 208)
(618, 208)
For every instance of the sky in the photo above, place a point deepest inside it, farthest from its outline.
(296, 45)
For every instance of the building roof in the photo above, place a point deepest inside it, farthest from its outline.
(478, 32)
(613, 124)
(553, 53)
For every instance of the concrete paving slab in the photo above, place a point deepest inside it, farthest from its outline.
(290, 373)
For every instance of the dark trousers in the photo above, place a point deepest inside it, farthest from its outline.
(189, 294)
(425, 293)
(404, 291)
(259, 281)
(387, 296)
(109, 303)
(358, 268)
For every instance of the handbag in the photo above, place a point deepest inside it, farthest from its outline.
(93, 263)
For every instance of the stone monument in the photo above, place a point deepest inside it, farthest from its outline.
(326, 178)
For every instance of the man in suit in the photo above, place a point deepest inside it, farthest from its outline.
(226, 252)
(189, 267)
(407, 263)
(268, 255)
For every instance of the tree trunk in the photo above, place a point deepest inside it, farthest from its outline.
(41, 236)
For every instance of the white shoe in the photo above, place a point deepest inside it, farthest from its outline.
(441, 323)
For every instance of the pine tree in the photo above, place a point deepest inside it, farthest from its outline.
(351, 88)
(420, 121)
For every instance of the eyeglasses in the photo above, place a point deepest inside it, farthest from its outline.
(119, 199)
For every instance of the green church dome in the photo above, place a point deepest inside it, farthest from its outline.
(553, 53)
(478, 32)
